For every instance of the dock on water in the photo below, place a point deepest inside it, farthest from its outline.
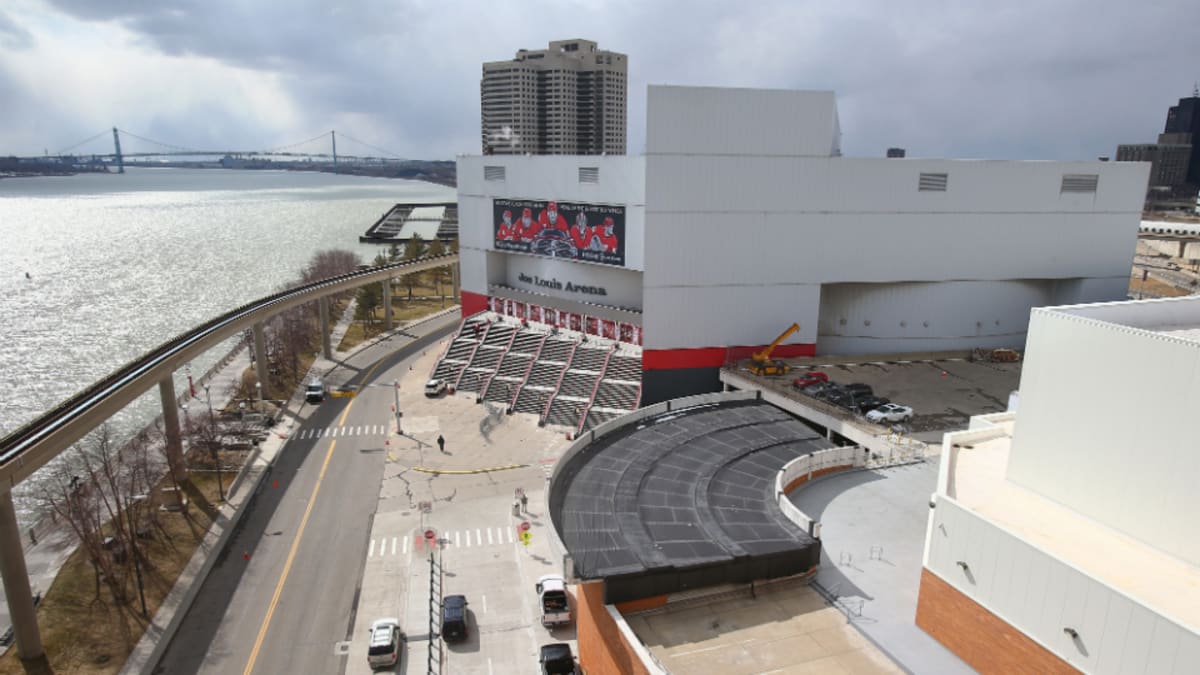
(429, 220)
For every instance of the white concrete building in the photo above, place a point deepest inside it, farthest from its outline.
(1068, 529)
(743, 218)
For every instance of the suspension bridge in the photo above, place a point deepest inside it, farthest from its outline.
(151, 152)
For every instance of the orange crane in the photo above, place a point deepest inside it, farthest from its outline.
(761, 361)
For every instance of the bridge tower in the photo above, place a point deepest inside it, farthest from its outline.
(333, 138)
(117, 143)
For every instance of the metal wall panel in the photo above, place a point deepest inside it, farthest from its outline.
(749, 182)
(1138, 478)
(691, 317)
(717, 120)
(1044, 595)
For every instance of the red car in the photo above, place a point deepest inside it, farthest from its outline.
(809, 379)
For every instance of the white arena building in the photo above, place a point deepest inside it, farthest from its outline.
(743, 217)
(1062, 536)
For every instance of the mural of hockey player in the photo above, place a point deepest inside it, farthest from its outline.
(528, 227)
(506, 229)
(550, 218)
(604, 238)
(580, 232)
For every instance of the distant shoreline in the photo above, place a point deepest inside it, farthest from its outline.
(439, 173)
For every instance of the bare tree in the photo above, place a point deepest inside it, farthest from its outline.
(414, 249)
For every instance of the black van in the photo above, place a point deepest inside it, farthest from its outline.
(454, 618)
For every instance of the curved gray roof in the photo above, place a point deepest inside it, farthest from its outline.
(688, 488)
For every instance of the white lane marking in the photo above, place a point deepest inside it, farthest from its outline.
(478, 536)
(468, 539)
(510, 537)
(483, 598)
(405, 545)
(489, 531)
(394, 542)
(371, 552)
(328, 431)
(489, 665)
(456, 539)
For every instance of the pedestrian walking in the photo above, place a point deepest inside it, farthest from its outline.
(524, 503)
(441, 443)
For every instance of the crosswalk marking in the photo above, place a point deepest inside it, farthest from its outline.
(330, 432)
(468, 538)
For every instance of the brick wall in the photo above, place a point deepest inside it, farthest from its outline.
(602, 648)
(982, 639)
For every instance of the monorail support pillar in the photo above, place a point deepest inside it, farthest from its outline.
(387, 304)
(326, 348)
(170, 408)
(260, 359)
(455, 281)
(16, 583)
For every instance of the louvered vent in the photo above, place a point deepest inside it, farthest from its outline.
(1080, 182)
(493, 173)
(589, 174)
(932, 182)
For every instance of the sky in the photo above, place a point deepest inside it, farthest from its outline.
(1020, 79)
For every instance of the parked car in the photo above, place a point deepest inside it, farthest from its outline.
(816, 390)
(839, 397)
(557, 659)
(865, 404)
(809, 379)
(435, 387)
(858, 389)
(314, 391)
(383, 650)
(825, 390)
(454, 618)
(552, 596)
(890, 412)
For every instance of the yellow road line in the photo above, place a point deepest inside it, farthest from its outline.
(464, 472)
(287, 565)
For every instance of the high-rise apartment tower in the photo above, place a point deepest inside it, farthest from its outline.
(568, 99)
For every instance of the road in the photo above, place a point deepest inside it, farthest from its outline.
(334, 539)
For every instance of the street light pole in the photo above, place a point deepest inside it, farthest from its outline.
(212, 444)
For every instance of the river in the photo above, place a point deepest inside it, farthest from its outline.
(96, 269)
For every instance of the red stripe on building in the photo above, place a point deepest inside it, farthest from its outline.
(472, 303)
(715, 357)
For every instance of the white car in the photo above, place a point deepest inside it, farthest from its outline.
(435, 387)
(890, 412)
(383, 651)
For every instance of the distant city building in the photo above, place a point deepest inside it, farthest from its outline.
(568, 99)
(1168, 162)
(1174, 159)
(896, 153)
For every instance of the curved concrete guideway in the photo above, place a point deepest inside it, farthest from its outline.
(33, 445)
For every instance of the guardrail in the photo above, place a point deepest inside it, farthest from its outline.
(32, 445)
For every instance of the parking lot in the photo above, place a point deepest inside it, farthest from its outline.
(944, 389)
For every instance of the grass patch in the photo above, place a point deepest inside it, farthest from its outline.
(87, 632)
(402, 310)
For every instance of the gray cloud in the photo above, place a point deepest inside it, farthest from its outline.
(1026, 79)
(12, 35)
